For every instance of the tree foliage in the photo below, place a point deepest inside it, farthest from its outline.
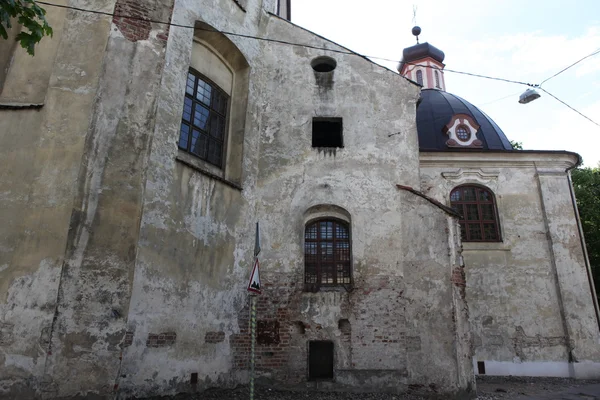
(516, 145)
(586, 182)
(30, 16)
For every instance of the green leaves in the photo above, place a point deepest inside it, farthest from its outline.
(516, 145)
(32, 18)
(586, 182)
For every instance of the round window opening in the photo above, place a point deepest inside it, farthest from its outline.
(323, 64)
(463, 133)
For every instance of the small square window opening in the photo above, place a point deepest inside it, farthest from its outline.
(327, 132)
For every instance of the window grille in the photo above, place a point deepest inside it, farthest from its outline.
(479, 218)
(327, 253)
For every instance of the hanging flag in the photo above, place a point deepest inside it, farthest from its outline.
(254, 284)
(257, 242)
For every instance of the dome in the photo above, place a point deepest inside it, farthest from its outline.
(442, 115)
(420, 51)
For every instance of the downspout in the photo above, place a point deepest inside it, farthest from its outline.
(586, 258)
(561, 305)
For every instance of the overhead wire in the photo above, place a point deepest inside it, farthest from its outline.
(348, 52)
(572, 65)
(572, 108)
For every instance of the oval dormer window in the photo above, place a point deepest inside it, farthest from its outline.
(463, 133)
(323, 64)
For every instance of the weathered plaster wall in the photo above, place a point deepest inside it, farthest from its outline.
(189, 308)
(124, 268)
(41, 152)
(95, 286)
(517, 305)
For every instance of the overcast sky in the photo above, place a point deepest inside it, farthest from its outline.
(523, 40)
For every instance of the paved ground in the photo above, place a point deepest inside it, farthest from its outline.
(489, 388)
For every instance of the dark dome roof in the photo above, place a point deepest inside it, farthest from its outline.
(436, 108)
(422, 50)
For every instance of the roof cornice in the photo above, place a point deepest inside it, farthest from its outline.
(545, 159)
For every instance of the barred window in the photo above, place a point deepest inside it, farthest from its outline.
(204, 119)
(327, 253)
(437, 80)
(479, 218)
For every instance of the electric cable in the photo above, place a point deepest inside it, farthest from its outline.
(572, 65)
(348, 52)
(572, 108)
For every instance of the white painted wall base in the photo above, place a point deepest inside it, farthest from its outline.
(562, 369)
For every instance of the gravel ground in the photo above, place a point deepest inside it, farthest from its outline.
(488, 388)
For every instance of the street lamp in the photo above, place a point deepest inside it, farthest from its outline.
(528, 96)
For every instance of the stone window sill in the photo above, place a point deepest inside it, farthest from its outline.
(485, 246)
(198, 166)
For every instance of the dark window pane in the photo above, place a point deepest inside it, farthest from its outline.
(199, 144)
(327, 274)
(341, 232)
(215, 149)
(189, 86)
(201, 117)
(187, 109)
(311, 232)
(342, 251)
(217, 126)
(474, 231)
(456, 195)
(203, 92)
(472, 214)
(326, 230)
(487, 212)
(219, 103)
(484, 195)
(184, 134)
(326, 251)
(489, 232)
(469, 194)
(463, 232)
(310, 273)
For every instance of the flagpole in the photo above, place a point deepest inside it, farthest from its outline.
(255, 289)
(252, 343)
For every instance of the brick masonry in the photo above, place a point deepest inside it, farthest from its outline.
(370, 330)
(132, 18)
(214, 337)
(161, 339)
(128, 340)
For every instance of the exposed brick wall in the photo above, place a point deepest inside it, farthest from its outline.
(128, 340)
(459, 279)
(161, 339)
(132, 18)
(214, 337)
(371, 324)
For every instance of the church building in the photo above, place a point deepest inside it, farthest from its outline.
(404, 244)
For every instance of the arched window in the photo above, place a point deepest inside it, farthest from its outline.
(479, 221)
(327, 253)
(420, 77)
(437, 80)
